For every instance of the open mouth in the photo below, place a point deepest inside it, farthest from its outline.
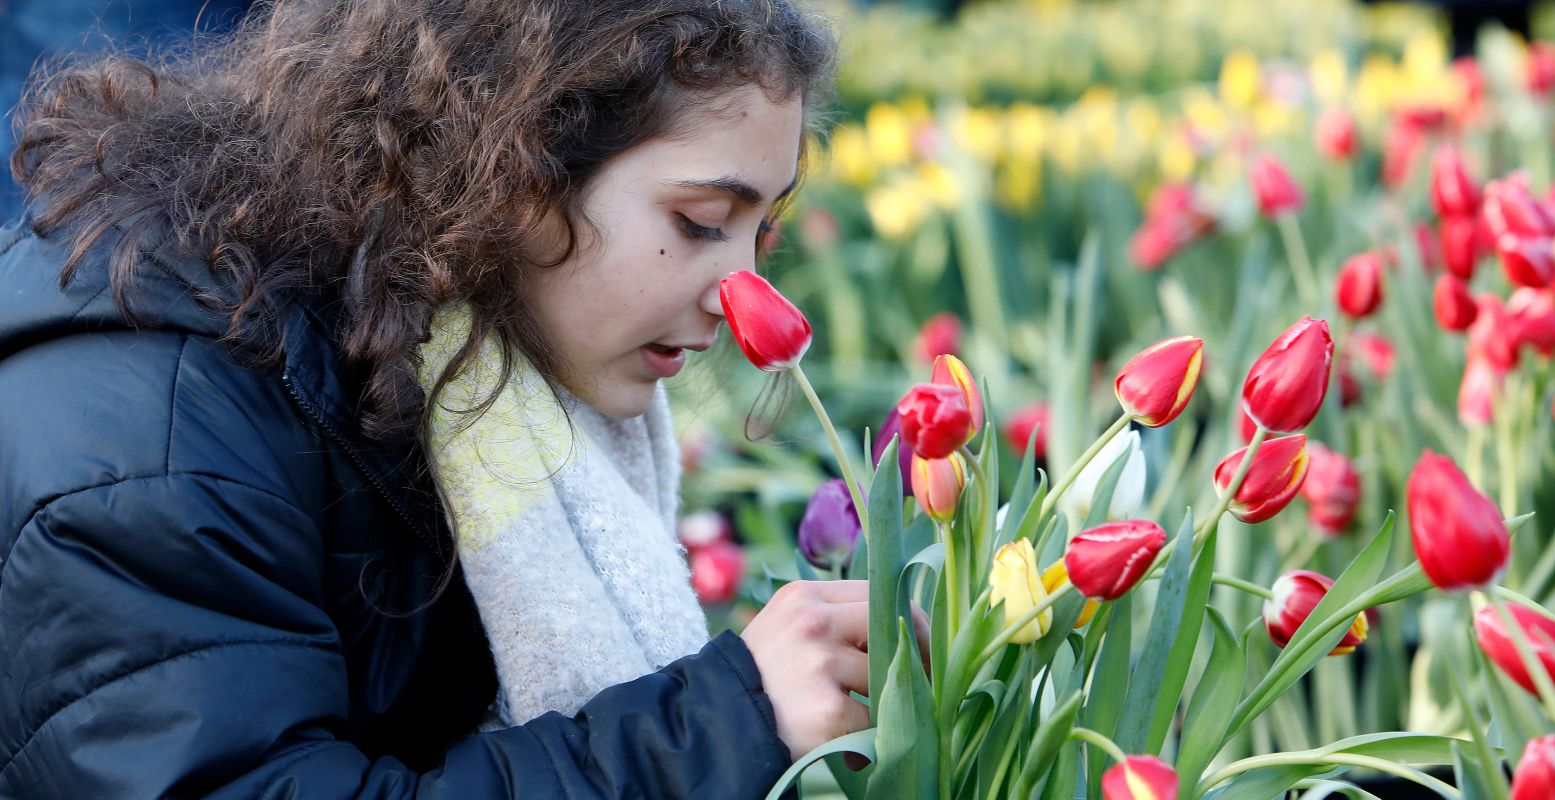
(668, 351)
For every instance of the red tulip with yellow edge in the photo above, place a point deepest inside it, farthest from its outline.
(1459, 535)
(1106, 561)
(1499, 647)
(1296, 594)
(935, 419)
(770, 330)
(937, 485)
(951, 371)
(1156, 385)
(1285, 386)
(1276, 474)
(1013, 581)
(1140, 778)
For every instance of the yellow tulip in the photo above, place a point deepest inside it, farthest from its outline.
(1014, 580)
(890, 134)
(1330, 77)
(1240, 80)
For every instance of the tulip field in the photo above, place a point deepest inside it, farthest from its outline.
(1190, 364)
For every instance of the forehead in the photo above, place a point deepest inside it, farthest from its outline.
(741, 133)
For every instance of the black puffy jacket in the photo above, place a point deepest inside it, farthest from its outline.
(201, 565)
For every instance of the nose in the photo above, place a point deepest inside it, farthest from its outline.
(709, 301)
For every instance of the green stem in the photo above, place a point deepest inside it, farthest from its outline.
(1338, 759)
(1204, 525)
(984, 508)
(952, 590)
(1300, 263)
(843, 464)
(1519, 637)
(1085, 458)
(1506, 459)
(1100, 741)
(1011, 629)
(1238, 583)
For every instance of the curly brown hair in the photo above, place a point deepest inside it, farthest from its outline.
(400, 155)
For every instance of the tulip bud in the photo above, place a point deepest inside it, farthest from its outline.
(1453, 192)
(1017, 431)
(771, 332)
(1400, 144)
(1277, 193)
(1459, 535)
(937, 485)
(1461, 245)
(1477, 391)
(1454, 306)
(939, 336)
(1501, 649)
(716, 571)
(1014, 581)
(1533, 318)
(1535, 775)
(1493, 336)
(1245, 426)
(1057, 575)
(1336, 134)
(1277, 472)
(1511, 208)
(1358, 290)
(935, 419)
(1539, 69)
(950, 371)
(892, 427)
(1155, 385)
(1296, 594)
(1140, 778)
(1285, 387)
(1128, 495)
(1332, 490)
(830, 526)
(1106, 561)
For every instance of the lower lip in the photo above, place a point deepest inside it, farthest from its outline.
(663, 364)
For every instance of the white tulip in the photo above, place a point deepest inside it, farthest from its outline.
(1128, 498)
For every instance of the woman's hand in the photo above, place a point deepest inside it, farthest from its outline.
(810, 644)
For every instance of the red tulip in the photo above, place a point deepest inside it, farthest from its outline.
(1454, 306)
(1174, 219)
(1017, 431)
(1493, 336)
(1245, 426)
(1535, 775)
(1349, 385)
(1335, 134)
(1539, 72)
(1527, 262)
(716, 571)
(1511, 208)
(1497, 642)
(1469, 81)
(1461, 245)
(1428, 246)
(1477, 391)
(935, 419)
(773, 334)
(1358, 291)
(1155, 243)
(1376, 352)
(1533, 318)
(1399, 146)
(1107, 560)
(1140, 778)
(1459, 536)
(1332, 490)
(1453, 191)
(1276, 474)
(1296, 594)
(950, 371)
(937, 485)
(1155, 385)
(939, 336)
(1277, 193)
(1285, 387)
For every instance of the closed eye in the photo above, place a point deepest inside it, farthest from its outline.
(692, 230)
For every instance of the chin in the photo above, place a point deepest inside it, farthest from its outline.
(624, 401)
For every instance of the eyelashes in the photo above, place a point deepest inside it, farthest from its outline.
(700, 232)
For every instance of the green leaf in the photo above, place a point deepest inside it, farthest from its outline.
(1023, 494)
(1148, 671)
(852, 783)
(1469, 776)
(1181, 659)
(1319, 789)
(861, 742)
(1045, 746)
(1214, 698)
(885, 566)
(907, 737)
(1312, 641)
(1110, 685)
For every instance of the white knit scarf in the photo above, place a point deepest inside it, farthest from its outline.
(567, 536)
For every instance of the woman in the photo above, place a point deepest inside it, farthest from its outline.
(262, 296)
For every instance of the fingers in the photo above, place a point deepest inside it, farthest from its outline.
(850, 668)
(832, 591)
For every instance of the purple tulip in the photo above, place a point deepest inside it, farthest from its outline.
(830, 526)
(893, 427)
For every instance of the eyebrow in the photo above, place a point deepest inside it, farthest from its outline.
(745, 192)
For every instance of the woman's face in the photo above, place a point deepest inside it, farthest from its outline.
(673, 217)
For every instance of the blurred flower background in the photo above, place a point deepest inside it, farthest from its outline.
(1045, 187)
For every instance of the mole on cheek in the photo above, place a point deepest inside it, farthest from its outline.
(661, 251)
